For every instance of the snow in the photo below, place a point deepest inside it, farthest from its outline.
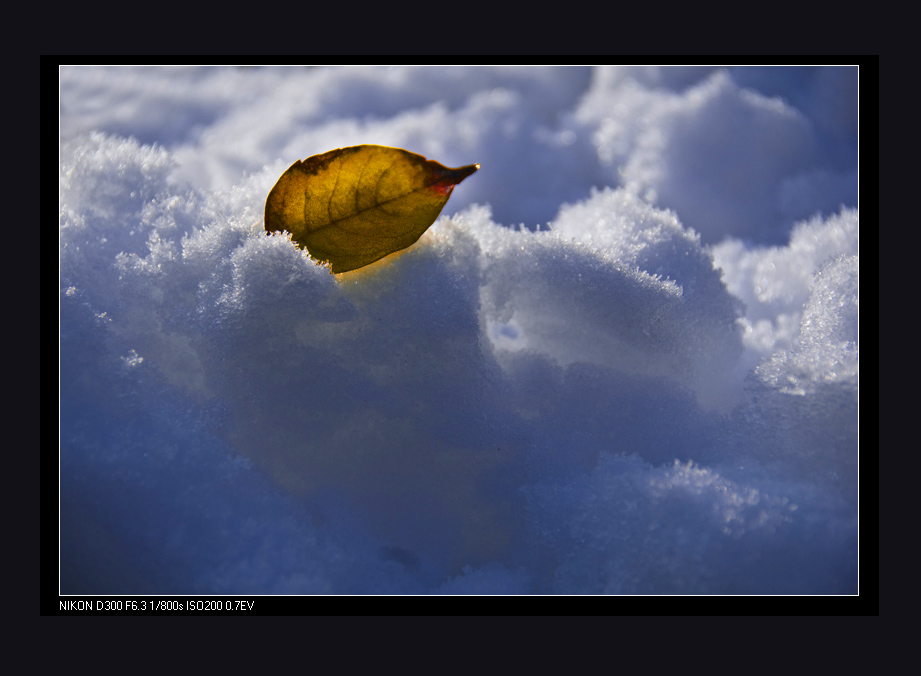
(623, 361)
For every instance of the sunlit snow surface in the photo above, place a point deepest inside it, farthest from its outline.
(650, 387)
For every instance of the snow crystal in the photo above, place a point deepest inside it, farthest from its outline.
(623, 360)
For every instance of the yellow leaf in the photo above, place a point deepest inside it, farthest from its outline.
(353, 206)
